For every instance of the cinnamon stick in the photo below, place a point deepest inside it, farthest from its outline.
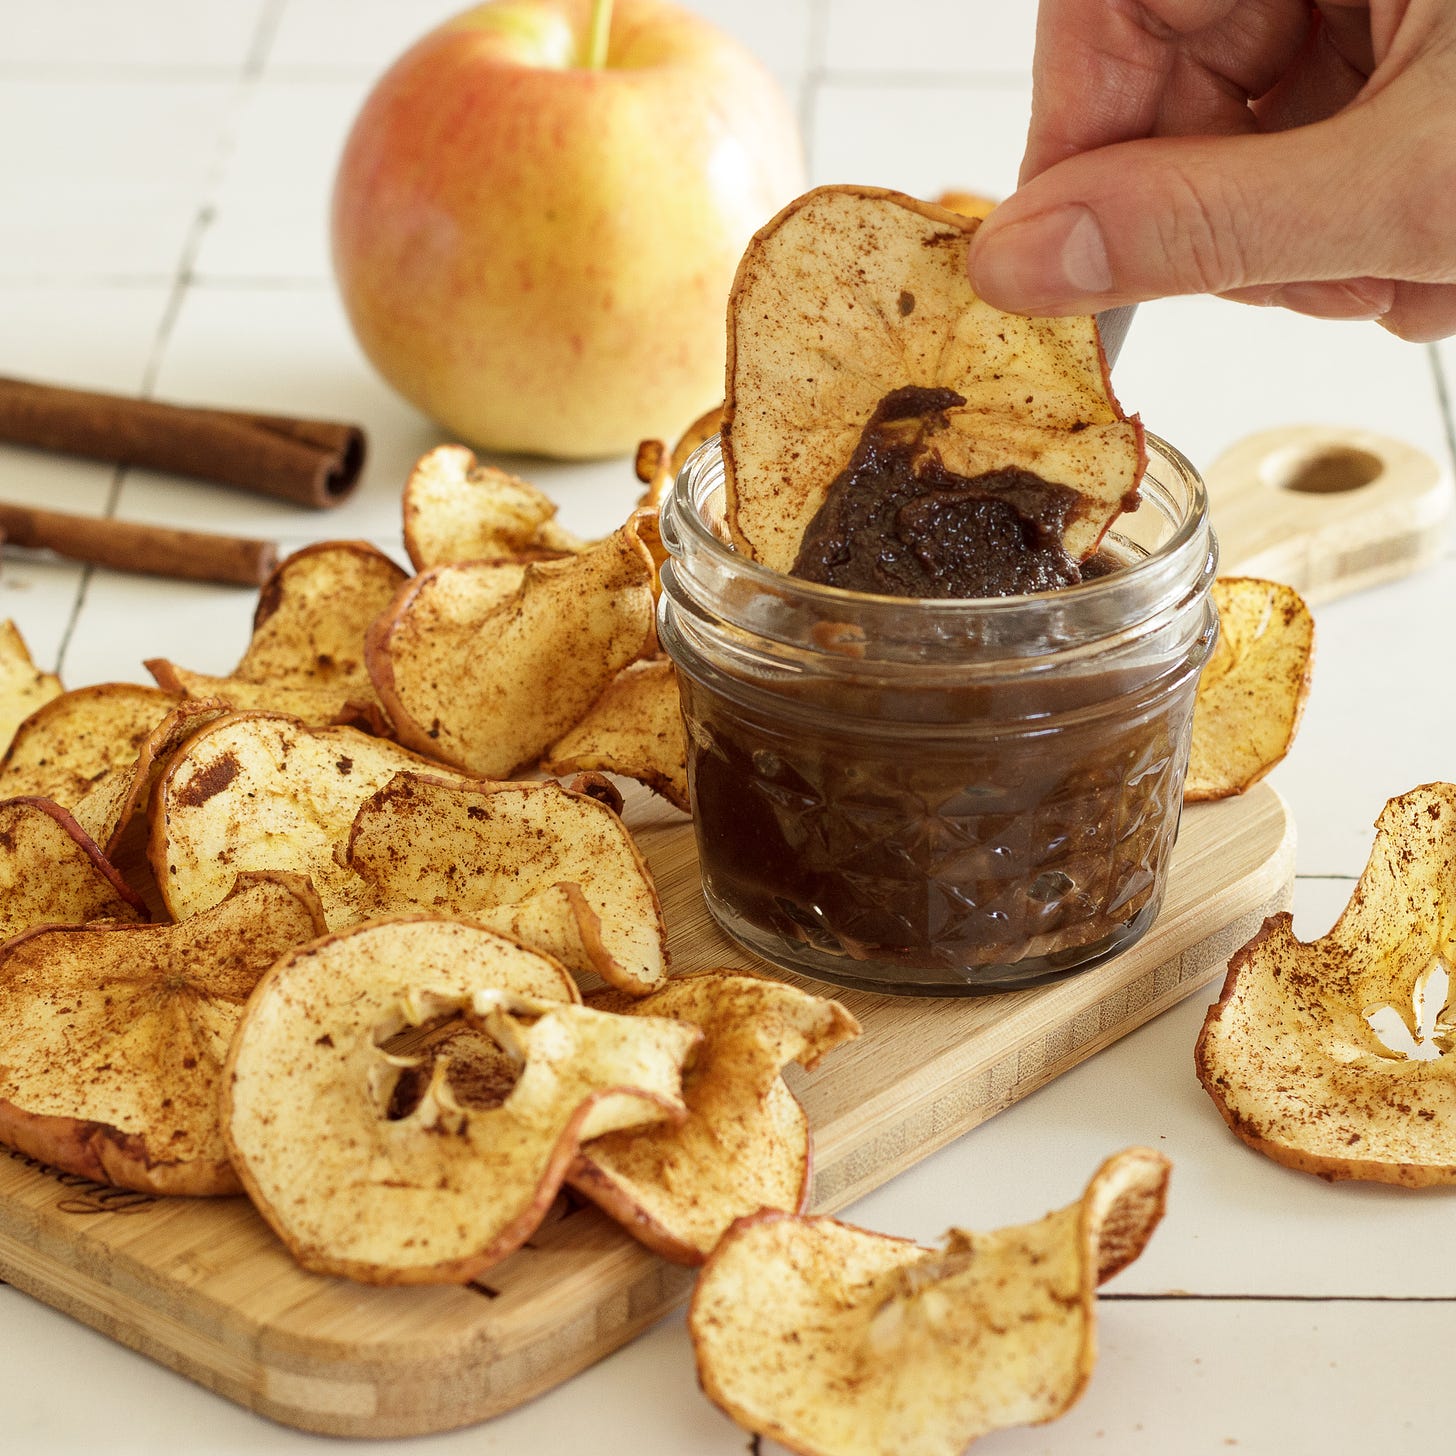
(313, 462)
(127, 546)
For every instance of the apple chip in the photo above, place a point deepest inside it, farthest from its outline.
(1338, 1056)
(555, 869)
(854, 332)
(115, 1036)
(745, 1144)
(23, 686)
(1252, 692)
(262, 791)
(416, 1174)
(307, 653)
(52, 873)
(484, 665)
(64, 748)
(839, 1342)
(107, 809)
(634, 729)
(968, 204)
(657, 466)
(456, 509)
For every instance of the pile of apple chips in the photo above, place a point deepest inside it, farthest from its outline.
(317, 892)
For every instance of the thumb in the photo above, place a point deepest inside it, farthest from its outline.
(1159, 216)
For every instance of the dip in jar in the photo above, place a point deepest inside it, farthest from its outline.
(939, 796)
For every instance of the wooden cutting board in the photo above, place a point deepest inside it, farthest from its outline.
(205, 1288)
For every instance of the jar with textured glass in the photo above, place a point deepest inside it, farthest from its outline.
(938, 797)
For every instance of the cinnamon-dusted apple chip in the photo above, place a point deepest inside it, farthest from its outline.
(634, 729)
(262, 791)
(839, 1342)
(853, 318)
(418, 1174)
(307, 653)
(23, 686)
(52, 873)
(1252, 692)
(484, 665)
(115, 1036)
(64, 748)
(745, 1144)
(456, 509)
(555, 869)
(1338, 1056)
(109, 806)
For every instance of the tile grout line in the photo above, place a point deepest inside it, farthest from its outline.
(813, 77)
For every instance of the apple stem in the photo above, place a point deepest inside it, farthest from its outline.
(598, 33)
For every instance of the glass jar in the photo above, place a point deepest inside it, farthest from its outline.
(938, 797)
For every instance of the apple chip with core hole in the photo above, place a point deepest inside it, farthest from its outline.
(456, 509)
(555, 869)
(634, 729)
(307, 653)
(1338, 1056)
(261, 791)
(745, 1144)
(1252, 692)
(838, 1342)
(52, 873)
(434, 1180)
(854, 335)
(485, 665)
(23, 686)
(115, 1036)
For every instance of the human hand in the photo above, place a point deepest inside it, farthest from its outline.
(1272, 151)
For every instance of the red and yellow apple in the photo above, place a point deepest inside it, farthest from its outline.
(535, 235)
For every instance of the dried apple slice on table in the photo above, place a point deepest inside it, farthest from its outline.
(854, 333)
(62, 750)
(745, 1144)
(457, 509)
(23, 686)
(435, 1182)
(634, 729)
(553, 868)
(52, 873)
(484, 665)
(115, 1036)
(839, 1342)
(264, 791)
(306, 657)
(1338, 1056)
(1253, 689)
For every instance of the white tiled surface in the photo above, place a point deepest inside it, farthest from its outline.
(165, 168)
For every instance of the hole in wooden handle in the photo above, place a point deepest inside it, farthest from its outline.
(1327, 470)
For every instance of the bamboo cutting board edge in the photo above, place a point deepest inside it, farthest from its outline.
(202, 1286)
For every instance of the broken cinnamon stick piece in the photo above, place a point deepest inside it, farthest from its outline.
(313, 462)
(128, 546)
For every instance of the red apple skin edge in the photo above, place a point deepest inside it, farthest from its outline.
(538, 254)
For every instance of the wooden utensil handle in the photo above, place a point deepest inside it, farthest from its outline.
(128, 546)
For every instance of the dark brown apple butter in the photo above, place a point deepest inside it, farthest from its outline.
(897, 523)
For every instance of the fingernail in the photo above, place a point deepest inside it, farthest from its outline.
(1054, 258)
